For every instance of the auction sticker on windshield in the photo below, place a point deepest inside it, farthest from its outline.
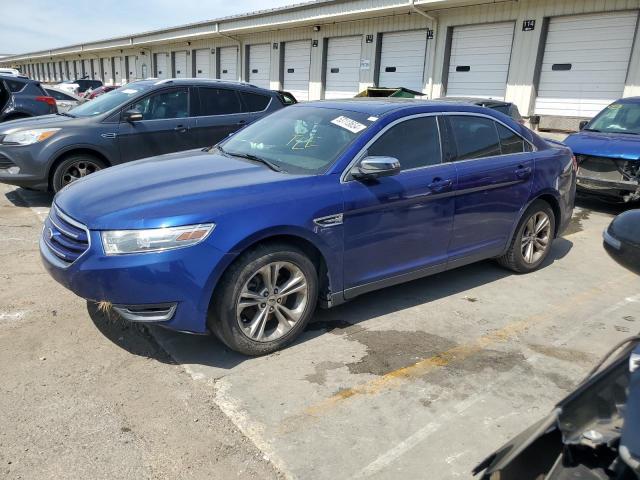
(129, 91)
(348, 124)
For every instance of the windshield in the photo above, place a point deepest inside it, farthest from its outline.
(617, 118)
(108, 101)
(302, 140)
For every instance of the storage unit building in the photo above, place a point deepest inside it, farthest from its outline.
(227, 63)
(180, 64)
(161, 65)
(202, 64)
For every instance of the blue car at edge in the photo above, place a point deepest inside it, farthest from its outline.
(607, 149)
(316, 203)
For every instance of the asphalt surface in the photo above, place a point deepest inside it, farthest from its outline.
(422, 380)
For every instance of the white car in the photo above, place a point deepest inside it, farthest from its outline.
(10, 71)
(64, 100)
(79, 86)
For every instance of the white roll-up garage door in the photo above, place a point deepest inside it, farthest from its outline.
(107, 73)
(78, 64)
(585, 63)
(87, 68)
(297, 62)
(479, 62)
(259, 65)
(180, 66)
(402, 58)
(161, 66)
(203, 63)
(117, 70)
(132, 68)
(343, 67)
(228, 63)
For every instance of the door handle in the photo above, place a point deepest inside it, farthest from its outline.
(523, 172)
(180, 129)
(439, 185)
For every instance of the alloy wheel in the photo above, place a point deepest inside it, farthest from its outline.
(272, 301)
(78, 170)
(536, 237)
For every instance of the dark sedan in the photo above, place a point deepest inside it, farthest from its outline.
(142, 119)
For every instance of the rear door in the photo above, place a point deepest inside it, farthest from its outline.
(495, 171)
(219, 114)
(164, 128)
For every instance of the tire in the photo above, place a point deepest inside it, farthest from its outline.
(73, 168)
(261, 324)
(527, 258)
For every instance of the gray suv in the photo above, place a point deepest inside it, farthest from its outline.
(141, 119)
(21, 97)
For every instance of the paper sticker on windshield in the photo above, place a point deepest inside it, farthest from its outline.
(129, 91)
(348, 124)
(615, 106)
(372, 119)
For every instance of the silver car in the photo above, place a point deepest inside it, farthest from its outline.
(65, 100)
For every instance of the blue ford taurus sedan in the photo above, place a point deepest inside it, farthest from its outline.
(607, 149)
(317, 203)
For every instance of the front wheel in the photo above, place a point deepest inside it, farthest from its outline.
(74, 168)
(265, 299)
(531, 242)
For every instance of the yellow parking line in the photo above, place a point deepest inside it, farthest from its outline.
(458, 353)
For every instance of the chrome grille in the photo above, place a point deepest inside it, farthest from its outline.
(64, 237)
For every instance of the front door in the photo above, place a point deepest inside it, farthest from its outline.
(495, 171)
(400, 225)
(165, 126)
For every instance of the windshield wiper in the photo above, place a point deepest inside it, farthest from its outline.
(592, 130)
(253, 158)
(65, 114)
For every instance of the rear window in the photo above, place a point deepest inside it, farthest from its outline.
(254, 102)
(15, 86)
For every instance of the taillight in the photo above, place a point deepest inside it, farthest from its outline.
(48, 100)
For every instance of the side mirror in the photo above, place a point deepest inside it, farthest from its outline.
(376, 167)
(583, 124)
(622, 240)
(132, 116)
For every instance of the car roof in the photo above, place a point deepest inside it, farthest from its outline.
(485, 102)
(628, 100)
(199, 82)
(381, 106)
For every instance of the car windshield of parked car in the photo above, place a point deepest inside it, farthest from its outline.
(617, 118)
(108, 101)
(300, 140)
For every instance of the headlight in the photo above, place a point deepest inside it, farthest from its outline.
(29, 137)
(120, 242)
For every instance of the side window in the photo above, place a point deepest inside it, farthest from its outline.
(475, 137)
(15, 86)
(510, 142)
(218, 101)
(57, 95)
(415, 143)
(254, 102)
(164, 105)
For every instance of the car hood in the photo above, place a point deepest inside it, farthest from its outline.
(613, 145)
(43, 121)
(177, 189)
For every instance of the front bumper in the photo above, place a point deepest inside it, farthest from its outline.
(607, 176)
(32, 172)
(181, 280)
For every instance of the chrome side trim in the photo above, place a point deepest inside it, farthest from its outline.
(330, 220)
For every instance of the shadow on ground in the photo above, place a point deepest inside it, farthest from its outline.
(22, 197)
(349, 317)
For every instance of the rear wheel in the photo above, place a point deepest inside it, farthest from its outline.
(265, 299)
(531, 243)
(74, 168)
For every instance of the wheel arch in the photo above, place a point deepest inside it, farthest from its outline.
(314, 248)
(62, 155)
